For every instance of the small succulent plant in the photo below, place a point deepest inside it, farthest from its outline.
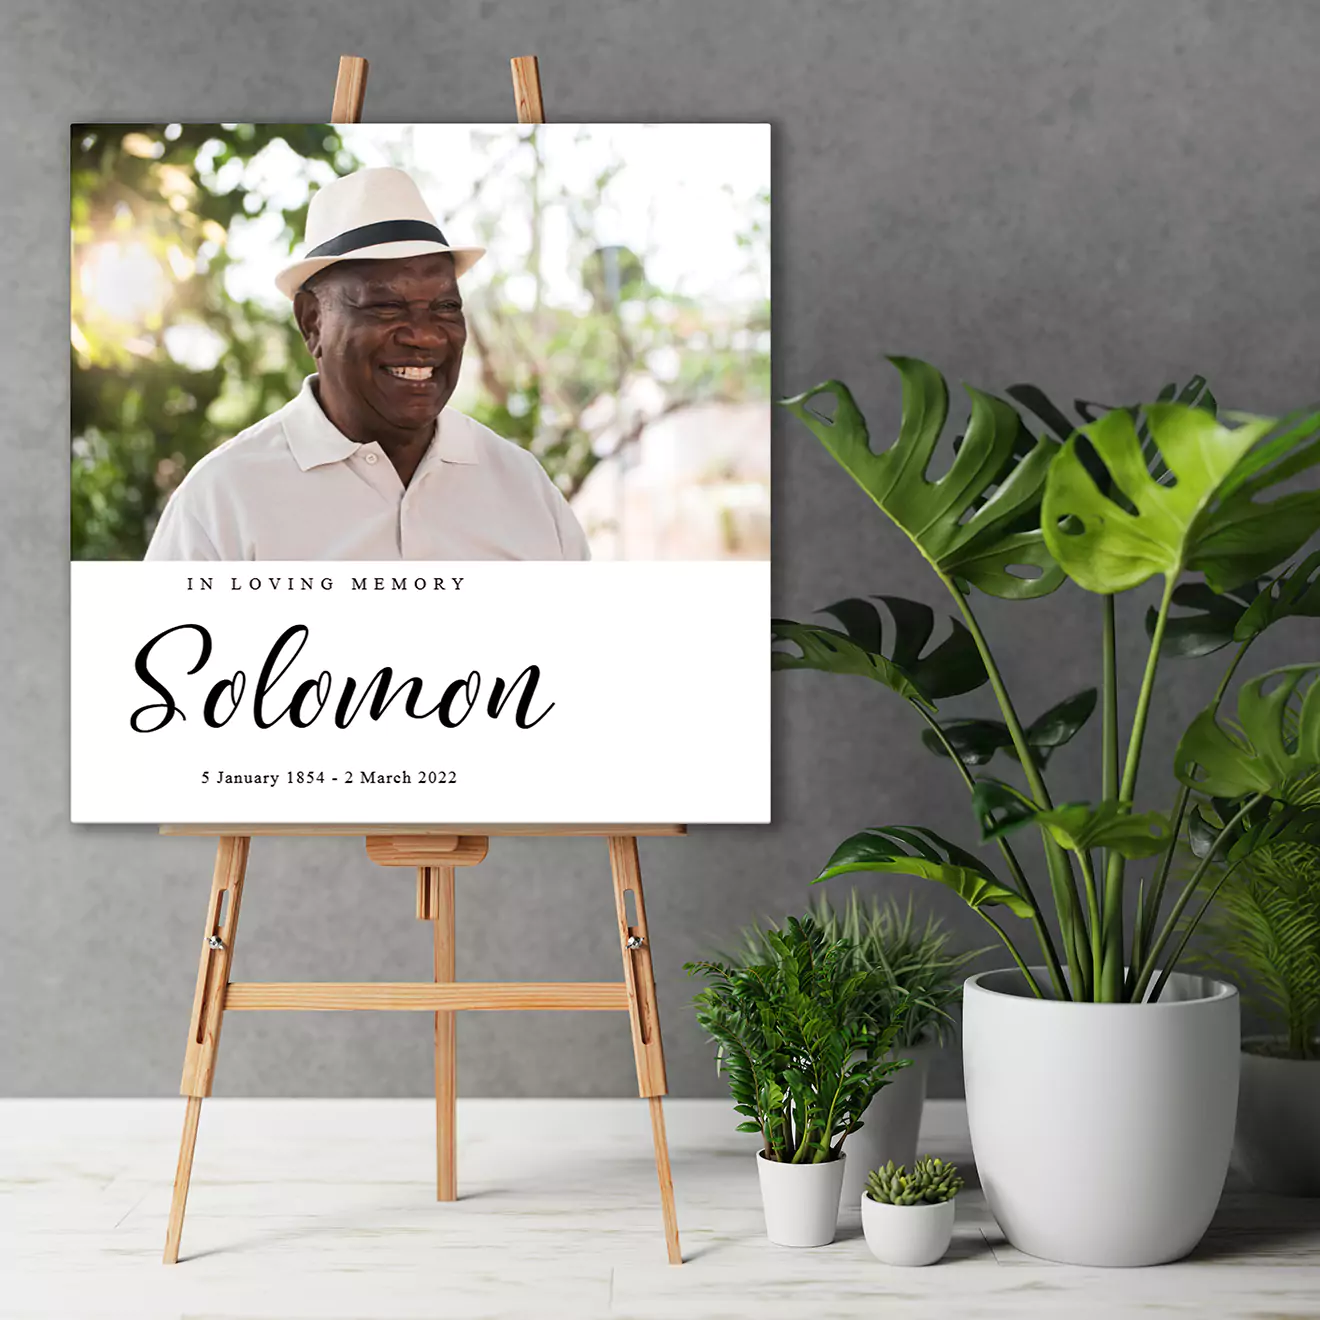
(931, 1181)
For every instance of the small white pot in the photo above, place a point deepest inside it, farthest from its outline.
(907, 1234)
(801, 1201)
(1101, 1132)
(1278, 1122)
(890, 1125)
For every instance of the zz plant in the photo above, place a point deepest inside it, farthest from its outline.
(1170, 490)
(801, 1035)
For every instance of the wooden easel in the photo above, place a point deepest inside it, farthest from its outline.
(436, 852)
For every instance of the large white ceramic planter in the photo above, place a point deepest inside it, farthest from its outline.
(907, 1234)
(801, 1201)
(1102, 1132)
(1278, 1123)
(890, 1125)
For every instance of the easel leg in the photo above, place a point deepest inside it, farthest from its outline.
(435, 890)
(207, 1013)
(644, 1014)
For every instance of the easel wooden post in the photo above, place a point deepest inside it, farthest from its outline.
(436, 852)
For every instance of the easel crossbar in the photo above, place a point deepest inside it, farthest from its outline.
(312, 996)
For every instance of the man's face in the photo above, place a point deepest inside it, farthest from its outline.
(387, 337)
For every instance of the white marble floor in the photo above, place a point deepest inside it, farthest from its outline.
(326, 1209)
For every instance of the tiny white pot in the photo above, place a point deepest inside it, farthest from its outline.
(1278, 1122)
(890, 1125)
(801, 1201)
(907, 1234)
(1102, 1132)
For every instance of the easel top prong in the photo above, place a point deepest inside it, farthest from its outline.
(350, 90)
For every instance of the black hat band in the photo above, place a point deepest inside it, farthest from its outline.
(383, 231)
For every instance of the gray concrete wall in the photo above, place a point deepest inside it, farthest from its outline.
(1094, 196)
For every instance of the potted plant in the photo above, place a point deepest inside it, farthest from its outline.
(915, 965)
(798, 1039)
(907, 1218)
(1264, 928)
(1095, 1056)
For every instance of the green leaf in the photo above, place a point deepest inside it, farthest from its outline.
(976, 741)
(1060, 723)
(1211, 622)
(1075, 825)
(1295, 593)
(978, 522)
(1238, 615)
(913, 850)
(834, 652)
(1273, 747)
(1204, 517)
(950, 669)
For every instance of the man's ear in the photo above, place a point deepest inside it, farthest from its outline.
(307, 312)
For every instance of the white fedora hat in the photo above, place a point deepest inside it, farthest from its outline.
(370, 214)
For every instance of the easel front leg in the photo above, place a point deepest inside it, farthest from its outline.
(207, 1014)
(435, 890)
(644, 1014)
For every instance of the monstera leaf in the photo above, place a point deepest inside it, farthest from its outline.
(1210, 622)
(1075, 825)
(1264, 825)
(1295, 593)
(912, 850)
(1203, 516)
(951, 668)
(976, 741)
(1195, 394)
(1238, 615)
(977, 522)
(1273, 748)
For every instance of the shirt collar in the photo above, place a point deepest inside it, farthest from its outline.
(314, 440)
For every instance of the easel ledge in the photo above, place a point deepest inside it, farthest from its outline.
(370, 831)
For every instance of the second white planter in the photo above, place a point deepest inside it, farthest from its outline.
(1278, 1125)
(801, 1201)
(890, 1126)
(1101, 1132)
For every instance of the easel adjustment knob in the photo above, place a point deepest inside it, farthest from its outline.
(214, 942)
(635, 941)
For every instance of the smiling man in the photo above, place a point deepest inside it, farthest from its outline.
(368, 461)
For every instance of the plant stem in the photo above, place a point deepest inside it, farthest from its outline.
(1110, 975)
(1017, 957)
(1109, 706)
(1166, 931)
(1010, 858)
(1092, 904)
(1067, 905)
(1187, 933)
(1150, 910)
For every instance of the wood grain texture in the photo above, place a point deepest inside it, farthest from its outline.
(527, 89)
(419, 996)
(231, 856)
(424, 850)
(372, 831)
(639, 977)
(350, 90)
(666, 1176)
(441, 885)
(182, 1176)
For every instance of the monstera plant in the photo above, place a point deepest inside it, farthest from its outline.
(1175, 490)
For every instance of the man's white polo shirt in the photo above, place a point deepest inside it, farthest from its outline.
(294, 487)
